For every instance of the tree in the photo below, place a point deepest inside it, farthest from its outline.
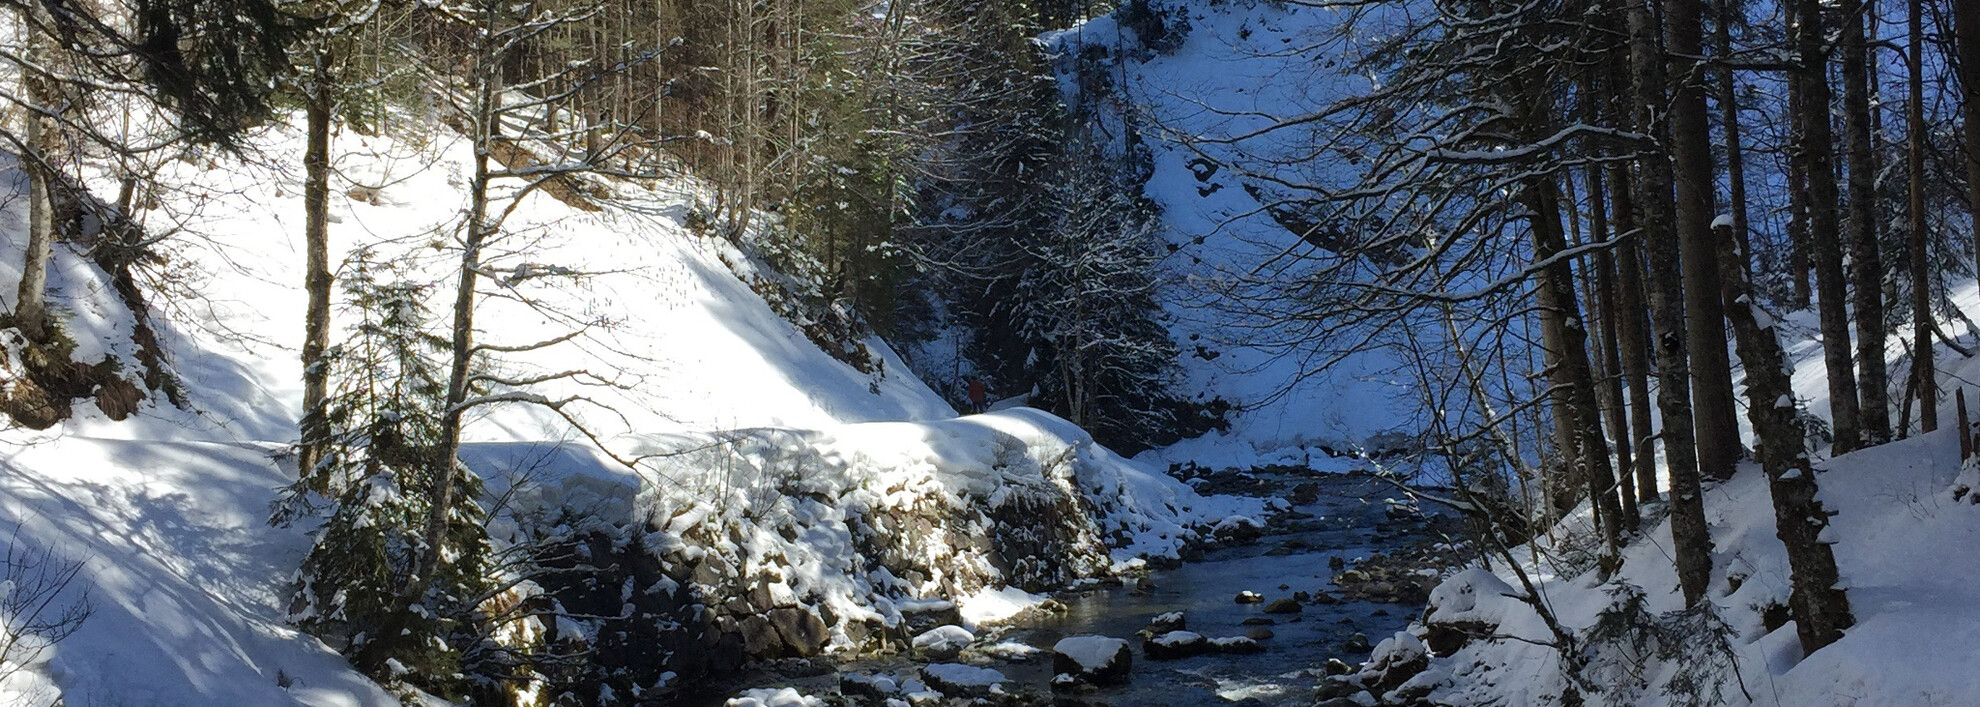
(1820, 606)
(1966, 29)
(211, 65)
(1814, 147)
(1689, 533)
(1866, 262)
(1924, 379)
(378, 466)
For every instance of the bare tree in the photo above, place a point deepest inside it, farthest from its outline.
(1689, 533)
(1814, 147)
(1924, 380)
(1866, 263)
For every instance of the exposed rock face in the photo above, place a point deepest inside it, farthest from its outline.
(1092, 660)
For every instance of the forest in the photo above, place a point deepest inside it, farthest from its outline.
(852, 352)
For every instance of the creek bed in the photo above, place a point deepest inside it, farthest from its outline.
(1349, 520)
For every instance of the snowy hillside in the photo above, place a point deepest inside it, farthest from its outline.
(1905, 514)
(1223, 71)
(766, 457)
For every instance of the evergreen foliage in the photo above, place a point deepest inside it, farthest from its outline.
(384, 415)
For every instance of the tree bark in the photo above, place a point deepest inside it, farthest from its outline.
(1691, 537)
(1924, 379)
(31, 303)
(1715, 417)
(1813, 146)
(1966, 27)
(315, 426)
(1735, 149)
(1572, 384)
(1612, 376)
(1633, 335)
(1867, 269)
(1820, 608)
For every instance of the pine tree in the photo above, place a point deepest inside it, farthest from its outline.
(381, 457)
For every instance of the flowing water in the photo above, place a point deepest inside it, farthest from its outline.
(1350, 520)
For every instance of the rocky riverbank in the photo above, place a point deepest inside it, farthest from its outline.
(1257, 616)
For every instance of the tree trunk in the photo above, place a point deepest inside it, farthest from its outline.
(1924, 380)
(1735, 151)
(1715, 417)
(31, 304)
(1633, 335)
(461, 349)
(1612, 377)
(1813, 146)
(1867, 270)
(1570, 376)
(1966, 25)
(1820, 608)
(1691, 537)
(315, 427)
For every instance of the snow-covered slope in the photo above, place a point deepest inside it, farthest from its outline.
(667, 318)
(166, 512)
(1227, 69)
(1906, 532)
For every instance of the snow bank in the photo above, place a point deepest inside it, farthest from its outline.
(1904, 546)
(188, 584)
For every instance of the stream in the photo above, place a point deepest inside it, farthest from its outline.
(1349, 520)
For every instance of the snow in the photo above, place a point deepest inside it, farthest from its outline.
(1904, 519)
(167, 511)
(1722, 221)
(988, 605)
(1177, 638)
(1230, 75)
(778, 697)
(188, 583)
(944, 639)
(1090, 652)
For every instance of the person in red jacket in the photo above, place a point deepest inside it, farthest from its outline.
(979, 395)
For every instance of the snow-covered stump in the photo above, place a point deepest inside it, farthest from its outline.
(1092, 660)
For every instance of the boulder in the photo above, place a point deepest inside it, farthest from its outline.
(1172, 621)
(959, 680)
(943, 642)
(1257, 621)
(1175, 644)
(874, 687)
(1248, 597)
(1356, 644)
(803, 632)
(1236, 645)
(1283, 606)
(1259, 634)
(1092, 660)
(760, 638)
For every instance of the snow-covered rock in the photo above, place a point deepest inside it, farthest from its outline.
(960, 680)
(943, 642)
(1175, 644)
(778, 697)
(1096, 660)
